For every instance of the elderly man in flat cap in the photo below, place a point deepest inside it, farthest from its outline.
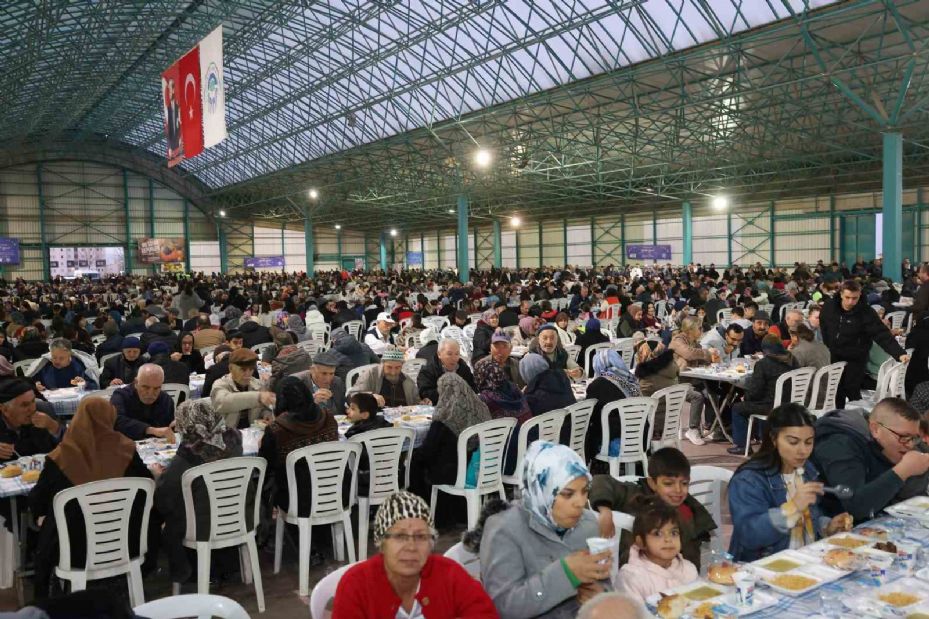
(23, 430)
(328, 389)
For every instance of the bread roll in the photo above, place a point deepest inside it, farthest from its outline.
(672, 606)
(14, 470)
(31, 476)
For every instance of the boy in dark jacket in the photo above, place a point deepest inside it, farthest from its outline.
(668, 478)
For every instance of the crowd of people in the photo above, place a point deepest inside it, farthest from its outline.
(155, 330)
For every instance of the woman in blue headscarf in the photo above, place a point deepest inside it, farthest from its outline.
(534, 557)
(612, 381)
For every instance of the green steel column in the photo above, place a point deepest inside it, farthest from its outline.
(771, 236)
(541, 261)
(687, 224)
(46, 267)
(564, 239)
(338, 246)
(463, 270)
(893, 204)
(654, 228)
(477, 260)
(283, 244)
(151, 215)
(308, 240)
(438, 249)
(393, 251)
(186, 235)
(593, 244)
(831, 228)
(517, 249)
(129, 247)
(383, 248)
(729, 237)
(422, 248)
(919, 227)
(498, 245)
(622, 239)
(223, 253)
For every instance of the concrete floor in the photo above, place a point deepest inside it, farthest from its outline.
(281, 597)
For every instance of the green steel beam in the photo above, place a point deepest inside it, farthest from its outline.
(223, 249)
(729, 236)
(151, 215)
(461, 239)
(383, 252)
(128, 221)
(832, 254)
(687, 226)
(43, 235)
(893, 204)
(187, 257)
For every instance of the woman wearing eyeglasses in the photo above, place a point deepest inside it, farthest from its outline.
(774, 497)
(406, 580)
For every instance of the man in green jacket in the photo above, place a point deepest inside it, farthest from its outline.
(669, 478)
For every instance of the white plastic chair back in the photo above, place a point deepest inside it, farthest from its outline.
(549, 428)
(623, 521)
(206, 350)
(882, 379)
(896, 319)
(259, 349)
(589, 357)
(192, 605)
(98, 339)
(674, 400)
(354, 328)
(412, 367)
(327, 463)
(175, 390)
(724, 316)
(661, 309)
(386, 447)
(706, 485)
(624, 347)
(827, 381)
(468, 331)
(436, 322)
(636, 415)
(454, 333)
(767, 308)
(800, 381)
(473, 318)
(573, 351)
(896, 381)
(106, 507)
(319, 334)
(324, 592)
(26, 365)
(580, 414)
(468, 560)
(354, 375)
(310, 347)
(228, 486)
(405, 322)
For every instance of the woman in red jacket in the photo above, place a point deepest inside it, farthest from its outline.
(406, 580)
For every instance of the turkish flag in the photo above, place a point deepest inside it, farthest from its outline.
(191, 109)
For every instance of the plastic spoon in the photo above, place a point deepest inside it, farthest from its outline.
(841, 492)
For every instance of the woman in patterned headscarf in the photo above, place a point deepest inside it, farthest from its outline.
(436, 460)
(612, 381)
(483, 333)
(204, 438)
(504, 399)
(518, 545)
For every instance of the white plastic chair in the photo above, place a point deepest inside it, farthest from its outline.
(228, 486)
(319, 334)
(635, 416)
(324, 592)
(473, 318)
(175, 390)
(412, 367)
(674, 399)
(452, 332)
(896, 319)
(98, 339)
(327, 463)
(549, 427)
(883, 373)
(468, 560)
(624, 347)
(896, 381)
(661, 309)
(589, 356)
(573, 351)
(386, 448)
(468, 331)
(107, 507)
(192, 605)
(354, 328)
(724, 316)
(492, 439)
(706, 485)
(110, 355)
(800, 380)
(353, 376)
(580, 414)
(26, 364)
(827, 380)
(259, 349)
(436, 322)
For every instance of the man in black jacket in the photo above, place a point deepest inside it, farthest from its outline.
(446, 359)
(880, 457)
(121, 370)
(142, 408)
(849, 327)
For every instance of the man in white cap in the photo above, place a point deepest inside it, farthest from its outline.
(387, 382)
(381, 335)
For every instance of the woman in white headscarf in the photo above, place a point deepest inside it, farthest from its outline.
(534, 557)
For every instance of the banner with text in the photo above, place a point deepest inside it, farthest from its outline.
(159, 251)
(414, 258)
(264, 262)
(9, 250)
(648, 252)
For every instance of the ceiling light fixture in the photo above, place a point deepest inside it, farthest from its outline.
(482, 158)
(314, 194)
(720, 203)
(515, 221)
(338, 226)
(393, 232)
(222, 213)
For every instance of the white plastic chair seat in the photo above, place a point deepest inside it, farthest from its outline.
(324, 591)
(468, 560)
(327, 463)
(107, 507)
(492, 438)
(192, 605)
(386, 448)
(229, 483)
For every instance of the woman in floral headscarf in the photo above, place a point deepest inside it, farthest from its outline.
(518, 545)
(504, 399)
(204, 438)
(612, 381)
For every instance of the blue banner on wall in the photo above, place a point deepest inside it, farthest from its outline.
(9, 250)
(414, 258)
(648, 252)
(264, 262)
